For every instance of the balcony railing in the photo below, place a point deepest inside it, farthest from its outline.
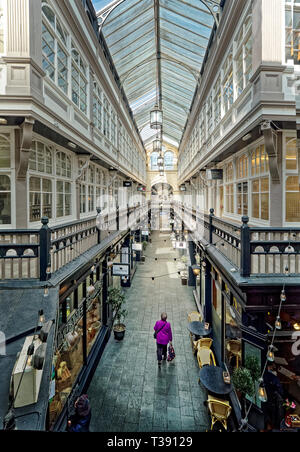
(253, 251)
(34, 254)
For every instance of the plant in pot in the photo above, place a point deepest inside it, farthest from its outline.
(252, 364)
(243, 383)
(116, 299)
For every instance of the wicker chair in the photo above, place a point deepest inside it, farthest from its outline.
(234, 349)
(219, 410)
(204, 342)
(194, 316)
(205, 357)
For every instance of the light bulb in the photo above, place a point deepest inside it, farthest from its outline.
(48, 270)
(282, 295)
(296, 326)
(278, 323)
(262, 393)
(46, 291)
(270, 354)
(41, 316)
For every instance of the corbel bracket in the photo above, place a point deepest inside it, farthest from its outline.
(26, 129)
(270, 139)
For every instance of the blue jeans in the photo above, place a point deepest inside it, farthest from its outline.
(161, 350)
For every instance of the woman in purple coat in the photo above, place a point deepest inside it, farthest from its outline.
(163, 337)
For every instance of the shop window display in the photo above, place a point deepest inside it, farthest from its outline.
(69, 357)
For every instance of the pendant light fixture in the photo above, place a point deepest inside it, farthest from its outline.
(160, 161)
(157, 144)
(156, 118)
(278, 323)
(262, 393)
(270, 354)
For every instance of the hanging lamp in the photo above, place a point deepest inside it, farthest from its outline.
(156, 118)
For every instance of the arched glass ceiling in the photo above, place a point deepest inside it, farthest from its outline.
(180, 40)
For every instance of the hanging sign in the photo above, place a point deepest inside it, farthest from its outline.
(120, 270)
(127, 183)
(137, 246)
(214, 174)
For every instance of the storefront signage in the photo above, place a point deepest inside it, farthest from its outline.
(120, 270)
(141, 188)
(137, 246)
(145, 232)
(214, 174)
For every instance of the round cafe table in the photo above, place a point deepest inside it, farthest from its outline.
(197, 328)
(212, 378)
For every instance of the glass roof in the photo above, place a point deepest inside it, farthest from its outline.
(180, 39)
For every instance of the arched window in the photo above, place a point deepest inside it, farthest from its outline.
(40, 158)
(63, 165)
(259, 161)
(5, 200)
(153, 161)
(169, 160)
(242, 167)
(292, 199)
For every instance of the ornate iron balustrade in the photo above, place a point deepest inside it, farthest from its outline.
(19, 254)
(252, 250)
(35, 253)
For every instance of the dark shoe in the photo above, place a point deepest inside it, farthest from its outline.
(159, 363)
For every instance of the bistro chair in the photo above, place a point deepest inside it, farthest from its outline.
(205, 357)
(219, 411)
(194, 316)
(234, 349)
(204, 342)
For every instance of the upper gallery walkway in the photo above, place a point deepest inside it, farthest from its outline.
(128, 391)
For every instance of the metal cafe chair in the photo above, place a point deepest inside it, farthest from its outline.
(219, 411)
(205, 357)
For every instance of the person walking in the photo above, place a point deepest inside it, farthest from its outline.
(163, 332)
(80, 421)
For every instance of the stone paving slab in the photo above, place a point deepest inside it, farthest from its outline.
(129, 392)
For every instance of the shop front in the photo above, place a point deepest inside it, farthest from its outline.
(80, 319)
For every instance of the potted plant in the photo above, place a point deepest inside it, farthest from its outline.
(243, 383)
(252, 364)
(116, 299)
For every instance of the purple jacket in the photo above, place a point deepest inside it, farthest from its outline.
(165, 335)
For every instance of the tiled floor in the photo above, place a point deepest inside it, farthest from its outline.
(129, 392)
